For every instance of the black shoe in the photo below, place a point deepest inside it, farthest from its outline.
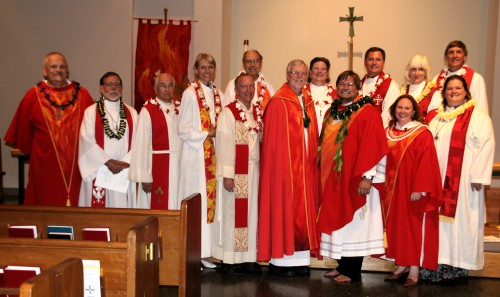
(281, 270)
(233, 269)
(301, 270)
(251, 268)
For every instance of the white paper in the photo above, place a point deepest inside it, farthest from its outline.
(115, 182)
(91, 278)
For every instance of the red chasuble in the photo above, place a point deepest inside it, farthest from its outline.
(49, 133)
(288, 179)
(412, 166)
(363, 147)
(98, 193)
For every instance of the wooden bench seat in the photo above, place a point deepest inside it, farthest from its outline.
(180, 233)
(127, 272)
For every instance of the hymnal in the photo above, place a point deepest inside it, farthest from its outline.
(60, 232)
(14, 276)
(101, 234)
(23, 231)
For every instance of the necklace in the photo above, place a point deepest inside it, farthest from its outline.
(448, 116)
(327, 97)
(438, 128)
(380, 79)
(59, 112)
(392, 137)
(257, 116)
(262, 91)
(443, 74)
(344, 116)
(176, 104)
(120, 129)
(427, 89)
(201, 96)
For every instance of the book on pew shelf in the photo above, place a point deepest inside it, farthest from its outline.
(14, 276)
(60, 232)
(100, 234)
(27, 231)
(91, 278)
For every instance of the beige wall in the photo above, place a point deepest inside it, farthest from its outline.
(99, 35)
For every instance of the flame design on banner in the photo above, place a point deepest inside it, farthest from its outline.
(161, 48)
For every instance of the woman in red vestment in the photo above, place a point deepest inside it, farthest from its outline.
(412, 193)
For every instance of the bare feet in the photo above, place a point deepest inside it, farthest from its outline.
(331, 273)
(342, 279)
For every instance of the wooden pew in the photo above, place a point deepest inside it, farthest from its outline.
(63, 280)
(180, 231)
(127, 272)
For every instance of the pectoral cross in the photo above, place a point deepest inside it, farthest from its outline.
(351, 18)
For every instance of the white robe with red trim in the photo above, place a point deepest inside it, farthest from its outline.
(91, 156)
(225, 240)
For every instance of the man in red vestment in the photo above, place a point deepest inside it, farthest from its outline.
(288, 182)
(46, 126)
(353, 149)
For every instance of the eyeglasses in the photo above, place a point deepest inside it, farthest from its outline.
(343, 84)
(112, 84)
(254, 61)
(297, 73)
(319, 69)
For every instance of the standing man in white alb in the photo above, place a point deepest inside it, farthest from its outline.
(252, 63)
(455, 56)
(201, 105)
(378, 84)
(155, 159)
(106, 140)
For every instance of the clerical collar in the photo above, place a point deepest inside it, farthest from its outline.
(406, 126)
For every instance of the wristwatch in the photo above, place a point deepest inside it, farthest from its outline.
(368, 177)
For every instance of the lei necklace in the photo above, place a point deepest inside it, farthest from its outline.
(344, 116)
(448, 116)
(444, 74)
(120, 131)
(61, 106)
(257, 116)
(153, 101)
(321, 103)
(262, 92)
(390, 135)
(199, 92)
(427, 89)
(379, 81)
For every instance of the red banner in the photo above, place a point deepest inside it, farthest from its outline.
(161, 48)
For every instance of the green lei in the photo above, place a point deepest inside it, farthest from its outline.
(344, 116)
(123, 116)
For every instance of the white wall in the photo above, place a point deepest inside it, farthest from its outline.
(286, 29)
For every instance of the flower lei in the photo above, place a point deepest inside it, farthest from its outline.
(427, 89)
(379, 81)
(321, 103)
(344, 116)
(153, 101)
(257, 116)
(444, 74)
(262, 92)
(123, 116)
(448, 116)
(217, 101)
(63, 105)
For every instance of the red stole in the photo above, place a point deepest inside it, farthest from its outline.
(241, 183)
(455, 159)
(208, 146)
(378, 95)
(98, 193)
(469, 73)
(161, 161)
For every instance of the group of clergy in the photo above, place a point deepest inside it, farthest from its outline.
(344, 171)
